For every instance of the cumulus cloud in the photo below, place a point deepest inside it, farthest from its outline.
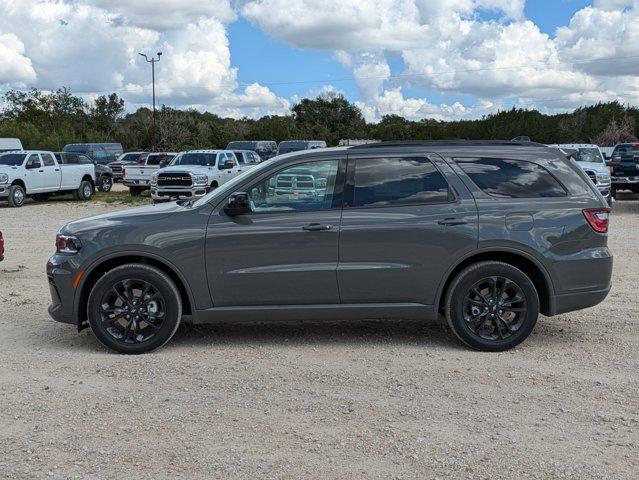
(91, 46)
(447, 46)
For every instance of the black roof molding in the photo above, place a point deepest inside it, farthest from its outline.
(447, 143)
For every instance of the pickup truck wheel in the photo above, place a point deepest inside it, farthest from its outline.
(17, 196)
(134, 308)
(135, 191)
(85, 192)
(105, 183)
(41, 197)
(492, 306)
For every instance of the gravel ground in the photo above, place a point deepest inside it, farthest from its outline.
(339, 400)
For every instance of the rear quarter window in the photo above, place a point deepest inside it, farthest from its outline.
(506, 178)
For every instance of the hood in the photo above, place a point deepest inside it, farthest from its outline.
(188, 168)
(594, 166)
(138, 216)
(7, 168)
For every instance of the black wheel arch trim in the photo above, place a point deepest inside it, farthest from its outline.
(496, 250)
(98, 262)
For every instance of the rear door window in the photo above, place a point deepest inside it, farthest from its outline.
(48, 160)
(507, 178)
(380, 182)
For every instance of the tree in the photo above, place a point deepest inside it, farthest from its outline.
(617, 132)
(104, 114)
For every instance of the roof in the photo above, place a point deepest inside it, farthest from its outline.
(447, 143)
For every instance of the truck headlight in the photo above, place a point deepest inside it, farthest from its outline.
(154, 179)
(200, 180)
(603, 178)
(4, 178)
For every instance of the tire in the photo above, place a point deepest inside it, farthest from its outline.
(112, 331)
(213, 186)
(17, 196)
(41, 197)
(135, 191)
(105, 183)
(85, 192)
(495, 329)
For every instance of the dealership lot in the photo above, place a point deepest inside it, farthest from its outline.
(359, 399)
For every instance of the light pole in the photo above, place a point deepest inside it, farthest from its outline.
(152, 62)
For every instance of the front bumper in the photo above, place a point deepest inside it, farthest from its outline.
(135, 183)
(168, 194)
(5, 189)
(60, 278)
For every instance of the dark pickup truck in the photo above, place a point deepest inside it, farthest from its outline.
(624, 165)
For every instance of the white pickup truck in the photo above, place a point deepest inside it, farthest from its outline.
(193, 174)
(138, 177)
(38, 174)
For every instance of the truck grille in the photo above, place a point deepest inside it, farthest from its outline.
(174, 179)
(295, 181)
(592, 176)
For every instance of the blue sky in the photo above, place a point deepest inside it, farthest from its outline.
(272, 62)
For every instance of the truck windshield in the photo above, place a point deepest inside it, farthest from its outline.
(592, 155)
(12, 159)
(201, 159)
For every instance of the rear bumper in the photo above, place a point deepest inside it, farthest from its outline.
(629, 180)
(578, 301)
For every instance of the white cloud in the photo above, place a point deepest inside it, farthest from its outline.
(14, 66)
(91, 46)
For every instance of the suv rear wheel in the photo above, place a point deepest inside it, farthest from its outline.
(134, 308)
(492, 306)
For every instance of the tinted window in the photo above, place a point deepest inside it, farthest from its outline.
(511, 178)
(33, 160)
(83, 159)
(304, 187)
(69, 159)
(47, 159)
(76, 148)
(240, 157)
(201, 159)
(13, 159)
(397, 181)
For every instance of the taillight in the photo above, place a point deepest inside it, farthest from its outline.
(598, 219)
(123, 172)
(67, 244)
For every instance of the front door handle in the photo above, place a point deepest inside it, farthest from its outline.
(317, 227)
(451, 222)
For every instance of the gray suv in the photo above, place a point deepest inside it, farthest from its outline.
(490, 234)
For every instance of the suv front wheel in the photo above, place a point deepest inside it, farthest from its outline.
(134, 308)
(492, 306)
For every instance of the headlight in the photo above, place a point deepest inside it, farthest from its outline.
(67, 244)
(154, 179)
(603, 178)
(4, 178)
(200, 179)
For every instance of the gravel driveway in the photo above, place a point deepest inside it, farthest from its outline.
(329, 400)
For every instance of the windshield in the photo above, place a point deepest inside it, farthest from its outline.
(76, 148)
(201, 159)
(129, 157)
(241, 146)
(12, 159)
(156, 159)
(592, 155)
(230, 186)
(628, 149)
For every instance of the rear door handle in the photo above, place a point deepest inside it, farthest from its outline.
(57, 169)
(317, 227)
(451, 222)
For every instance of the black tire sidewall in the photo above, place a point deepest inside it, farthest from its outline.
(462, 284)
(12, 190)
(109, 184)
(149, 274)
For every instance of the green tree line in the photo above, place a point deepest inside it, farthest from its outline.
(50, 120)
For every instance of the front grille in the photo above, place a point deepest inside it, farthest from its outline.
(295, 181)
(174, 179)
(592, 176)
(117, 168)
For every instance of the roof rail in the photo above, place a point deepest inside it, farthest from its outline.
(446, 143)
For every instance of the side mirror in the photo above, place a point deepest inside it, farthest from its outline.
(227, 165)
(239, 204)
